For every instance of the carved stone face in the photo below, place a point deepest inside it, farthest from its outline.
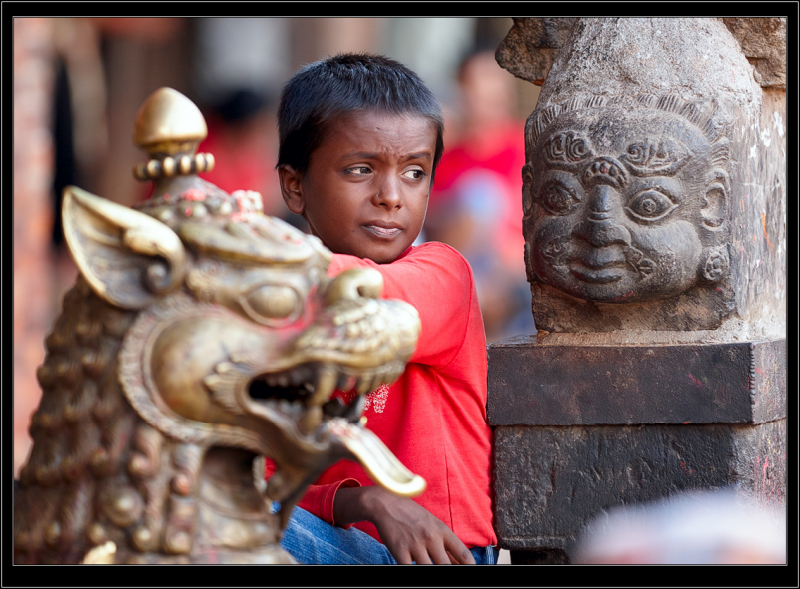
(624, 205)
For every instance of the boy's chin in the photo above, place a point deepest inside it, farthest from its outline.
(384, 257)
(383, 254)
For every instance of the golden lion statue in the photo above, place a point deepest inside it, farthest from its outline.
(201, 336)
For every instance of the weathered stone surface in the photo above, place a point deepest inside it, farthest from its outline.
(633, 55)
(612, 252)
(582, 384)
(531, 46)
(626, 202)
(529, 49)
(655, 222)
(763, 42)
(555, 479)
(758, 219)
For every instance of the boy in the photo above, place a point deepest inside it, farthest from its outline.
(360, 137)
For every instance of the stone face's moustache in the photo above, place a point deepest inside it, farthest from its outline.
(641, 264)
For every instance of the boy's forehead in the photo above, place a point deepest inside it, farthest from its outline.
(364, 127)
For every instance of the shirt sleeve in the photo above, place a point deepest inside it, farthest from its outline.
(437, 281)
(318, 499)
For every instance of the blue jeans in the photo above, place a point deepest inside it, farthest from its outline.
(313, 541)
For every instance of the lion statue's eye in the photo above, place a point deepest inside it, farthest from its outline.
(269, 303)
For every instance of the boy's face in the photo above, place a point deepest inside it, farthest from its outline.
(366, 189)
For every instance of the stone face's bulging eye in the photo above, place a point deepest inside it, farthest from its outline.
(558, 200)
(269, 303)
(651, 205)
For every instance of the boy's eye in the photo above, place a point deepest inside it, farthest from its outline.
(358, 170)
(414, 174)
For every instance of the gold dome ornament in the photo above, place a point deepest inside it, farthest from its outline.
(170, 127)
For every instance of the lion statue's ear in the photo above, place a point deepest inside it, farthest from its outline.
(127, 257)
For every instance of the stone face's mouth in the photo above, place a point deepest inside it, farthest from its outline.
(602, 276)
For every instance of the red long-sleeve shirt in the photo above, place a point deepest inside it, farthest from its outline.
(434, 417)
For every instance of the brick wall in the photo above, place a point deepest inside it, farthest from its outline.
(33, 173)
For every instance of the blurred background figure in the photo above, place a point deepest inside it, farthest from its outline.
(237, 87)
(699, 527)
(241, 130)
(475, 203)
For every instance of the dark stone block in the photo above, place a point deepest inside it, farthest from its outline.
(538, 384)
(550, 481)
(539, 557)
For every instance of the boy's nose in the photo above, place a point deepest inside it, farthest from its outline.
(388, 194)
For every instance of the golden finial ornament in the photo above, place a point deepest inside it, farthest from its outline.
(170, 127)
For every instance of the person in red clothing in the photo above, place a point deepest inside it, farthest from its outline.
(476, 202)
(360, 138)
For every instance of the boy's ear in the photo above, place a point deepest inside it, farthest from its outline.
(292, 189)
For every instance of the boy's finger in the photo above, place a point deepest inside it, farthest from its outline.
(403, 558)
(459, 552)
(440, 556)
(421, 556)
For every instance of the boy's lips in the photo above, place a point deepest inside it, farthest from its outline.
(383, 230)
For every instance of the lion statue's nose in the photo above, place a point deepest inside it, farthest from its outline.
(354, 283)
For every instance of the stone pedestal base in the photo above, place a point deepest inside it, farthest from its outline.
(550, 481)
(553, 478)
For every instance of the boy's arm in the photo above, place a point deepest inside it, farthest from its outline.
(437, 281)
(318, 499)
(410, 532)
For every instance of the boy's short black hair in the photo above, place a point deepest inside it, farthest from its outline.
(348, 82)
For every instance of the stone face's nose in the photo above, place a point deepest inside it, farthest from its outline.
(598, 226)
(600, 202)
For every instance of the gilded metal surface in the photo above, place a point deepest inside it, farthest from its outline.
(169, 127)
(201, 335)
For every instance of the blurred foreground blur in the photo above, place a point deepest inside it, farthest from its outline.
(700, 527)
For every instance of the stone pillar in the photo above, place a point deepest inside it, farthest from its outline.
(655, 205)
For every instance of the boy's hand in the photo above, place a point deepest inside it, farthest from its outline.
(410, 532)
